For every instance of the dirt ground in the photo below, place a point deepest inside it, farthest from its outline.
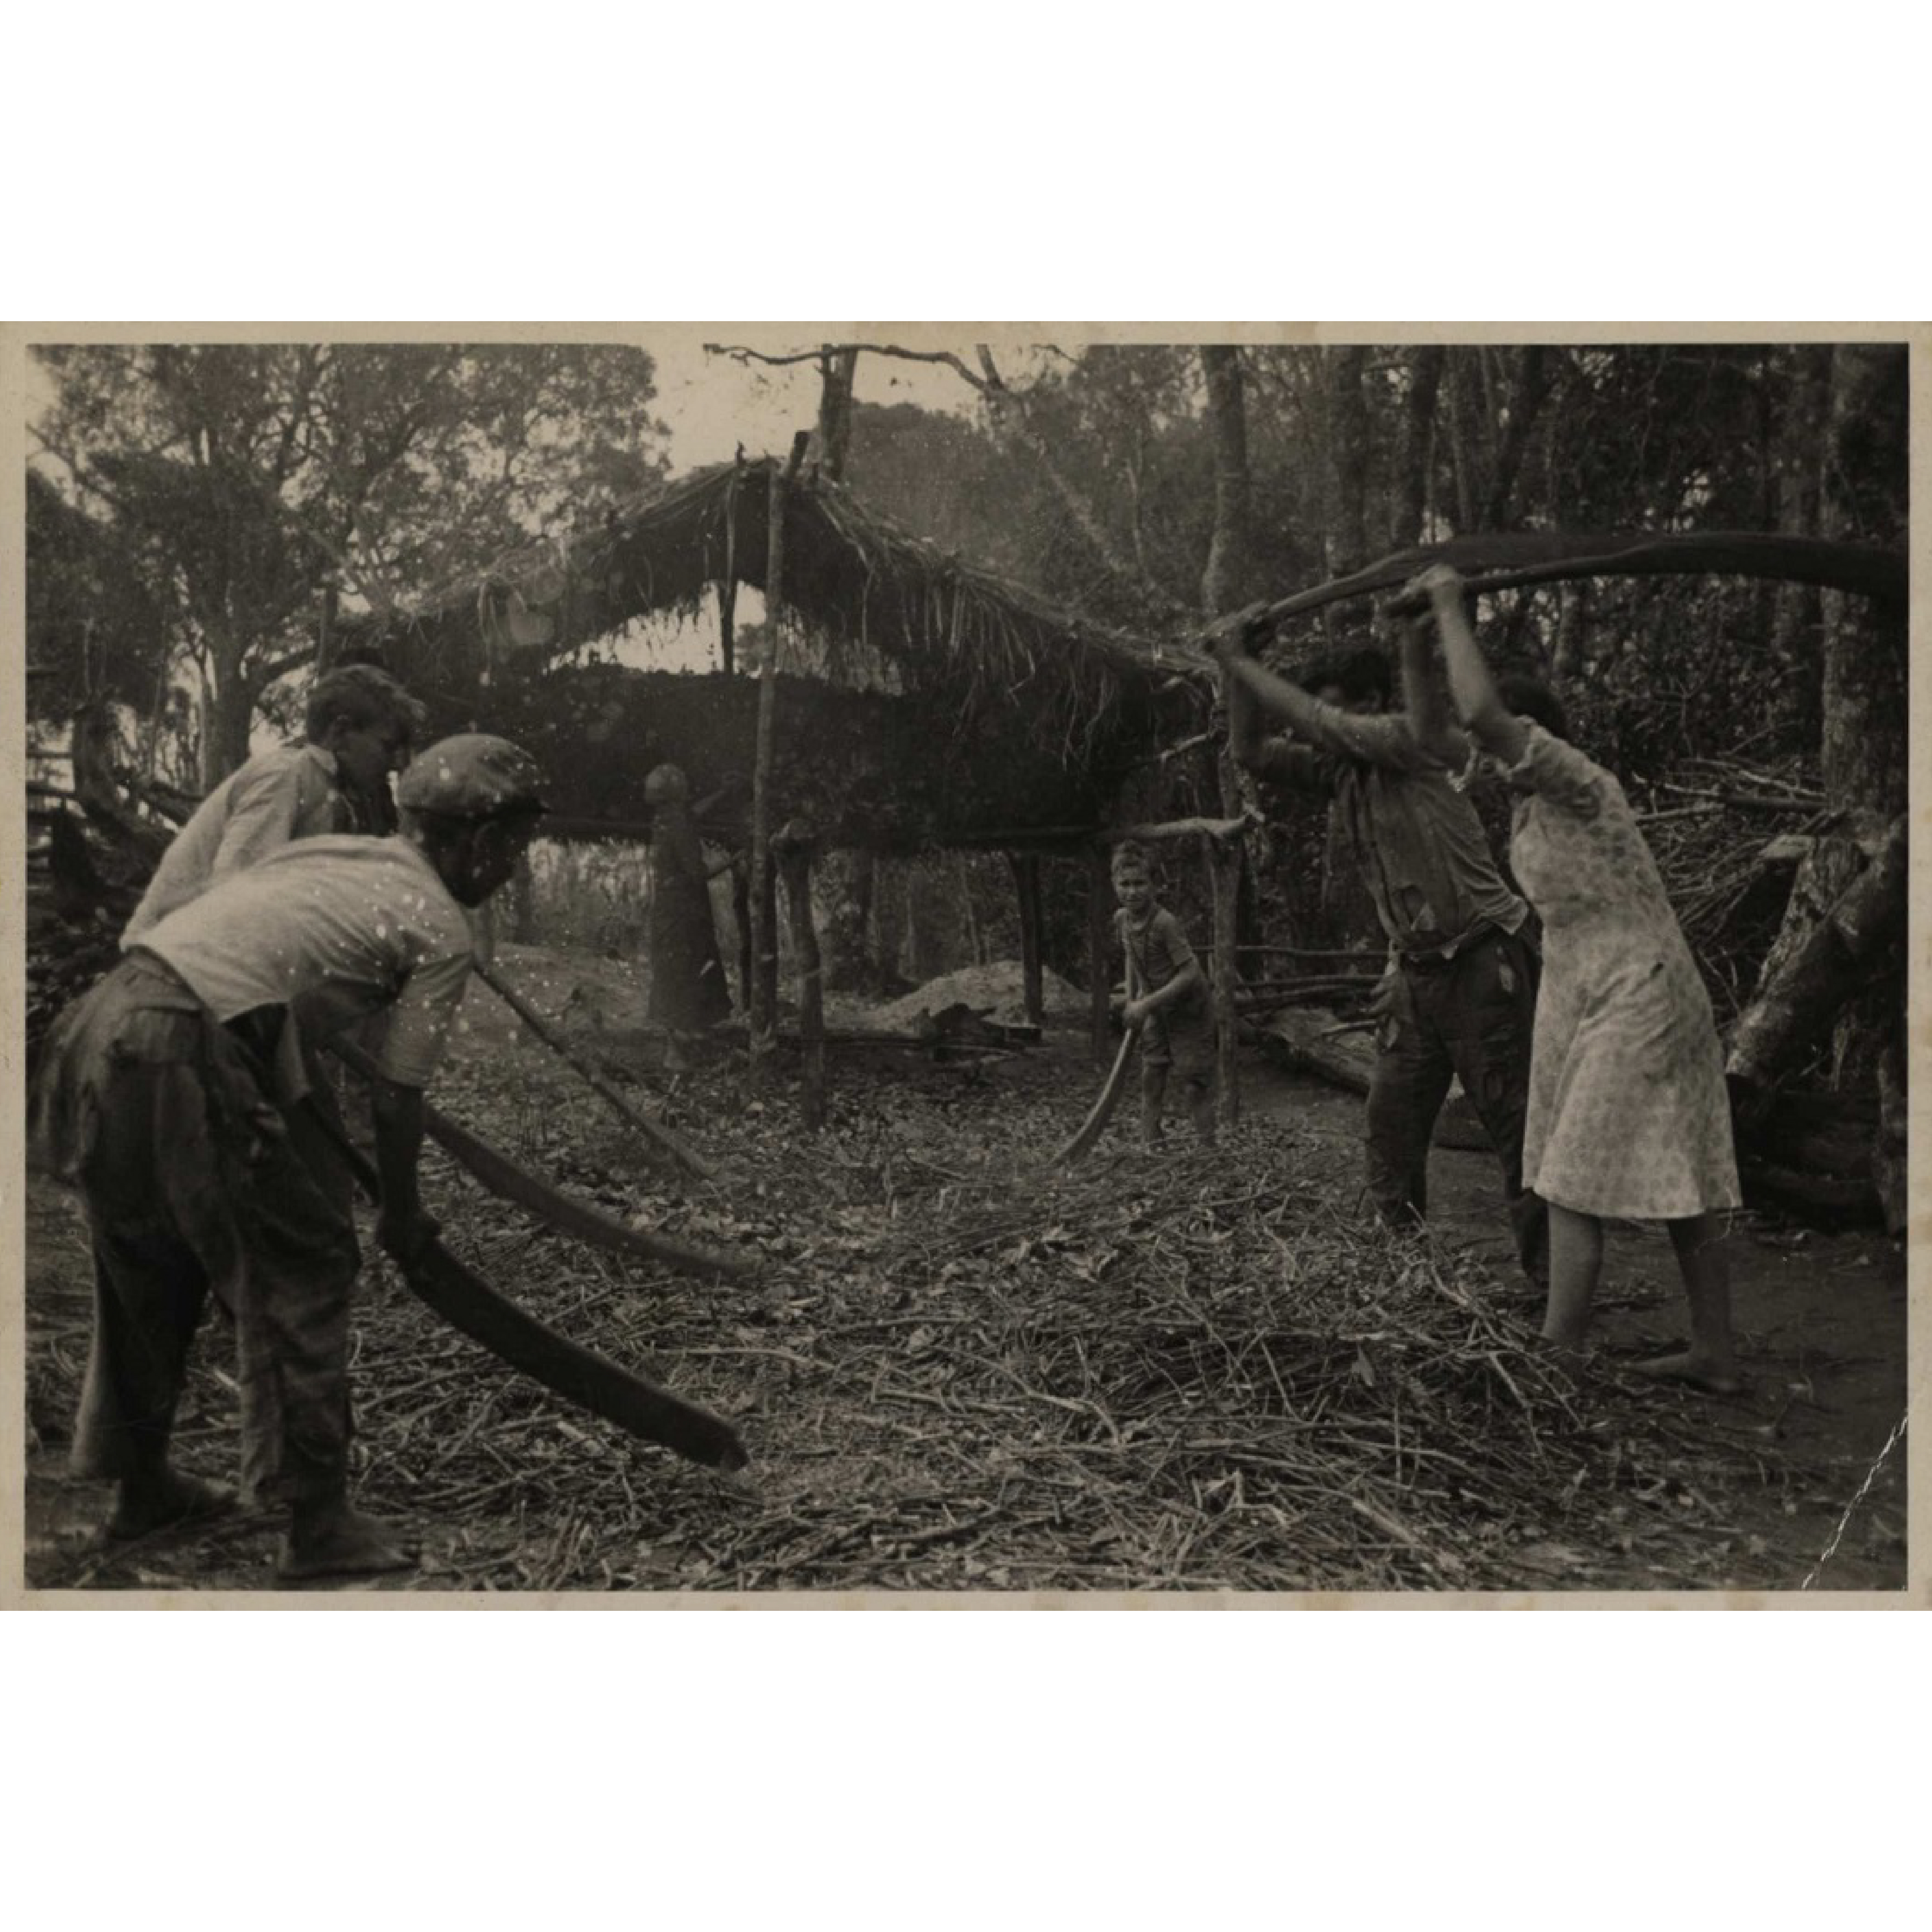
(1822, 1317)
(1821, 1322)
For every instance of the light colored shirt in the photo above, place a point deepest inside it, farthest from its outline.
(292, 792)
(335, 928)
(1421, 849)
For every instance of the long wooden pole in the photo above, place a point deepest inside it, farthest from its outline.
(655, 1132)
(764, 937)
(1100, 949)
(794, 847)
(1026, 881)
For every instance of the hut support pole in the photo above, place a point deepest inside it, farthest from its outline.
(1026, 880)
(764, 935)
(794, 847)
(1224, 861)
(1099, 950)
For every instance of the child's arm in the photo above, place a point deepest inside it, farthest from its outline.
(1484, 713)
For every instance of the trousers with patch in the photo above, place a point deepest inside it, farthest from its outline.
(1470, 1018)
(194, 1179)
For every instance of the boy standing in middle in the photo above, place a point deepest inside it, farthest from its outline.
(1167, 995)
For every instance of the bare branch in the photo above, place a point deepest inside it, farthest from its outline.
(738, 353)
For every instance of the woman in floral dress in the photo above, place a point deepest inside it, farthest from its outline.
(1629, 1118)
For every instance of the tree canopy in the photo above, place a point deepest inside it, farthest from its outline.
(243, 484)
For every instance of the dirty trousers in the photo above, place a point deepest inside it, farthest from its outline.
(1472, 1018)
(194, 1179)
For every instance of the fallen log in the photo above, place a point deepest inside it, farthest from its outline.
(1312, 1040)
(1837, 958)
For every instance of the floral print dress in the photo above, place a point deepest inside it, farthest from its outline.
(1629, 1118)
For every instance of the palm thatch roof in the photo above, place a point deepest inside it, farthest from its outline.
(928, 699)
(869, 608)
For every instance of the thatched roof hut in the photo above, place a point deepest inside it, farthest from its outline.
(925, 700)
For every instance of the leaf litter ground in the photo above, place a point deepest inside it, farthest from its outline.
(959, 1370)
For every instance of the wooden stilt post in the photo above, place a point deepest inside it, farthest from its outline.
(1026, 880)
(1100, 949)
(764, 933)
(741, 912)
(1225, 862)
(794, 847)
(728, 584)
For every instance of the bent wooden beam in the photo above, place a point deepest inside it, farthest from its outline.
(505, 1178)
(1518, 559)
(469, 1303)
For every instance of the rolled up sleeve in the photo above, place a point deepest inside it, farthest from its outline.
(420, 1021)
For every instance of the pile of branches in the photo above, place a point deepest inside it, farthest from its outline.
(960, 1370)
(1726, 833)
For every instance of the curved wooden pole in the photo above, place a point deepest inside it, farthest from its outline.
(1516, 559)
(468, 1302)
(1102, 1111)
(659, 1136)
(505, 1178)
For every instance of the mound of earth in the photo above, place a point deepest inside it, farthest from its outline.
(997, 985)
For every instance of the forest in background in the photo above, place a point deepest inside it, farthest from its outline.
(199, 517)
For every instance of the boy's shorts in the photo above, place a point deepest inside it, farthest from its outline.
(1182, 1041)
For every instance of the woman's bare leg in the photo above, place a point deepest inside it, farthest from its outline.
(1711, 1361)
(1575, 1262)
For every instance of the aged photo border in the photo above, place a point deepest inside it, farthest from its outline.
(14, 1592)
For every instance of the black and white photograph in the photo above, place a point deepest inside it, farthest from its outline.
(985, 961)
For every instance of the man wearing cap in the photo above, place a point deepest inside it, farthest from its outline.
(173, 1095)
(360, 725)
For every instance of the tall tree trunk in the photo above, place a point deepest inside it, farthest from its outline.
(1533, 374)
(1349, 459)
(1797, 615)
(1229, 577)
(1466, 441)
(231, 714)
(1418, 424)
(837, 368)
(1863, 746)
(1229, 574)
(1573, 633)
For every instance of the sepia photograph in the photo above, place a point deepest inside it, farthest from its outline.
(963, 962)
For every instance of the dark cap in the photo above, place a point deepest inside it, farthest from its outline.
(472, 776)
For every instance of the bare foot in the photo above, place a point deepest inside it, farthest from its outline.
(343, 1542)
(163, 1502)
(1693, 1371)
